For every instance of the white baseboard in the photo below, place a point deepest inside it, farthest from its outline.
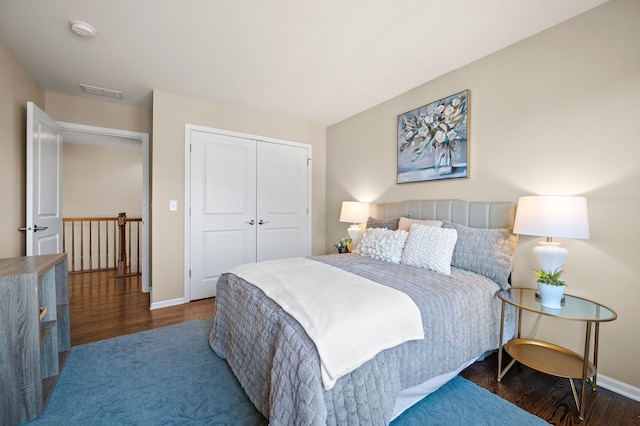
(167, 303)
(619, 387)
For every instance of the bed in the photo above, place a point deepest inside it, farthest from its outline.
(279, 366)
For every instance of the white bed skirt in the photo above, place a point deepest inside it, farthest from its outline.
(408, 397)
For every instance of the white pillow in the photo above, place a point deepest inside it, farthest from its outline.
(405, 223)
(430, 247)
(382, 244)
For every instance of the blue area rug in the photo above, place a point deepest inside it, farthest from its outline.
(170, 376)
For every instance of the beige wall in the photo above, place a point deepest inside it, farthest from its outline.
(100, 181)
(170, 114)
(92, 173)
(72, 109)
(17, 87)
(553, 114)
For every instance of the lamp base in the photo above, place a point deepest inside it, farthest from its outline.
(550, 255)
(354, 232)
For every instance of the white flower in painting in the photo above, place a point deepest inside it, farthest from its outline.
(408, 135)
(439, 125)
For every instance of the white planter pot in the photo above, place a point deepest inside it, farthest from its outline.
(551, 295)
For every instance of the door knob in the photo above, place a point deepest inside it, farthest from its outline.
(262, 222)
(36, 228)
(251, 222)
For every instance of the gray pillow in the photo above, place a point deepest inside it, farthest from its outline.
(487, 252)
(391, 224)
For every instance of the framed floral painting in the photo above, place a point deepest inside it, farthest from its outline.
(433, 142)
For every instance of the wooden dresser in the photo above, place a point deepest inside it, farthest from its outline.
(35, 339)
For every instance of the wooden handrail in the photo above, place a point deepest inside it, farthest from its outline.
(98, 243)
(88, 219)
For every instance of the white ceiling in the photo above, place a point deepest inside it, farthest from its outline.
(317, 62)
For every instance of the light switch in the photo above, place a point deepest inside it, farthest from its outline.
(173, 205)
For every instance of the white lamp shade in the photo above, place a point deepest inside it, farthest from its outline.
(552, 216)
(354, 212)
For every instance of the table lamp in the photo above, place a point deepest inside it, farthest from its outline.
(354, 212)
(552, 216)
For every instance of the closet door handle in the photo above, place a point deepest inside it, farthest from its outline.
(251, 222)
(262, 222)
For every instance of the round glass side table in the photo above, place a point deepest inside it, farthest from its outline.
(548, 357)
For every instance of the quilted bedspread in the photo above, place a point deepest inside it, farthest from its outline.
(278, 366)
(373, 316)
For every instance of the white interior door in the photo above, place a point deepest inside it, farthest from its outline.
(223, 208)
(282, 192)
(44, 180)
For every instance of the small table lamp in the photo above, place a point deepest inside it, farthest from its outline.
(354, 212)
(552, 216)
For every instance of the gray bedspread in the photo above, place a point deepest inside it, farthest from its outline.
(278, 366)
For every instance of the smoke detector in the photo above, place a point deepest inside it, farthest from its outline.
(82, 29)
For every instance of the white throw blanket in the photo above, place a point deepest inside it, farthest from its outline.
(349, 318)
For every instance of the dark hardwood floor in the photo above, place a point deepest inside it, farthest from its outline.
(102, 307)
(550, 397)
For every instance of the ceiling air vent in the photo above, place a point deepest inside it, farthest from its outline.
(100, 91)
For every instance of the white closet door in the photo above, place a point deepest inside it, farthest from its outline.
(223, 208)
(282, 191)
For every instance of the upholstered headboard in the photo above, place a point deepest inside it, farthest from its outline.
(472, 214)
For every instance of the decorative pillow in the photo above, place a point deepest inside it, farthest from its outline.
(430, 247)
(405, 223)
(487, 252)
(391, 224)
(382, 244)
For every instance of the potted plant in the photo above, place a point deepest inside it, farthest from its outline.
(343, 245)
(551, 288)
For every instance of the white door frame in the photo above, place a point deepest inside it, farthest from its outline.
(187, 188)
(143, 139)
